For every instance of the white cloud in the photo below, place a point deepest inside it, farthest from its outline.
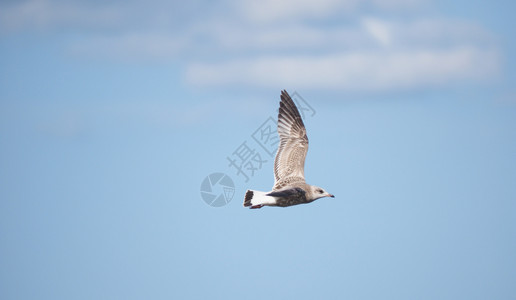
(264, 11)
(379, 30)
(84, 15)
(128, 47)
(398, 4)
(315, 44)
(238, 38)
(353, 71)
(375, 54)
(286, 10)
(44, 14)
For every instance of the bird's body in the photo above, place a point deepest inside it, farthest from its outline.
(290, 187)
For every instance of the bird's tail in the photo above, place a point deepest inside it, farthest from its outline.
(256, 199)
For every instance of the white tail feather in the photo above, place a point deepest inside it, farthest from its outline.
(255, 198)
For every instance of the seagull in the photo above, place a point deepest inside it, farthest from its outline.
(290, 187)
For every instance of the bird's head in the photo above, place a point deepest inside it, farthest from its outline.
(318, 192)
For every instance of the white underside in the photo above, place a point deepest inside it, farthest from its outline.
(261, 198)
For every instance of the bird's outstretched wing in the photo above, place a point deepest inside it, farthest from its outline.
(289, 164)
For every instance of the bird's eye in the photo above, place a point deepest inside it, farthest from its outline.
(320, 191)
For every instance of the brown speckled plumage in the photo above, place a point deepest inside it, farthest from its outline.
(290, 187)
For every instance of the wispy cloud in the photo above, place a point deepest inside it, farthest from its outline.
(346, 45)
(353, 71)
(89, 16)
(378, 30)
(47, 14)
(288, 10)
(371, 54)
(266, 11)
(130, 46)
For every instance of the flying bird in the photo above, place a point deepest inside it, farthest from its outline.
(290, 187)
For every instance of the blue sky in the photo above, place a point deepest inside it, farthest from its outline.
(113, 112)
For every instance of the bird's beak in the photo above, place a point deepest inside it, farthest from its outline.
(330, 195)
